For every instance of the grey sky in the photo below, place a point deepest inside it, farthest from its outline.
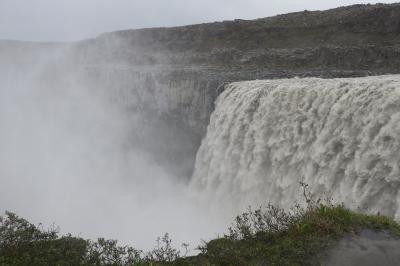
(59, 20)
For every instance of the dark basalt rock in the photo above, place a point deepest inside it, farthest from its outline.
(175, 74)
(365, 248)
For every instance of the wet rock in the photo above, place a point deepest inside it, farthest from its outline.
(366, 248)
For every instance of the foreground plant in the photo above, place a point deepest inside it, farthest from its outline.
(267, 235)
(272, 236)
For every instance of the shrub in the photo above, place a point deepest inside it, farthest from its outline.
(22, 243)
(267, 235)
(272, 236)
(164, 251)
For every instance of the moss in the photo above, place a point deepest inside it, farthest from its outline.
(299, 242)
(265, 236)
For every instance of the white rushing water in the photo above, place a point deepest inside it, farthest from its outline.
(340, 136)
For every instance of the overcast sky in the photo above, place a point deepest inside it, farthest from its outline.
(64, 20)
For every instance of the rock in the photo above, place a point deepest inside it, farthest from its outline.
(175, 74)
(366, 248)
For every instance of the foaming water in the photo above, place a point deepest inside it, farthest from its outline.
(340, 136)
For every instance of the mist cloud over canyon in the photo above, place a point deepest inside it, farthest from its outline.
(67, 158)
(139, 132)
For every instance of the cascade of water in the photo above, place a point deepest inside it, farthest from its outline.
(340, 136)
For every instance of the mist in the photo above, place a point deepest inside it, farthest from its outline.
(99, 137)
(66, 158)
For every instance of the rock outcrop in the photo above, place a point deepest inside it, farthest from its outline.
(365, 248)
(175, 74)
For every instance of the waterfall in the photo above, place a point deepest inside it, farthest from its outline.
(340, 136)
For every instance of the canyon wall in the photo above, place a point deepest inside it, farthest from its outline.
(173, 75)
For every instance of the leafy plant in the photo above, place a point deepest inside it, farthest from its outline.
(164, 251)
(273, 236)
(22, 243)
(267, 235)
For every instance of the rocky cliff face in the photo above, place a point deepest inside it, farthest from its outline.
(173, 75)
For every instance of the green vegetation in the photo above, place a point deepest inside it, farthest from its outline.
(272, 236)
(24, 244)
(264, 236)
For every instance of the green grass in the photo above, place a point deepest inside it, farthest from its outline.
(300, 243)
(264, 236)
(271, 236)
